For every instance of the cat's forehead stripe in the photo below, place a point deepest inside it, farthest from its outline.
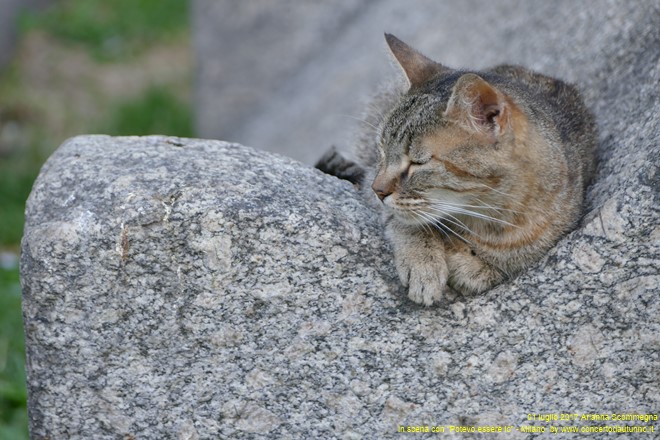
(414, 115)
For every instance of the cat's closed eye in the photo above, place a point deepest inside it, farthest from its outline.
(419, 158)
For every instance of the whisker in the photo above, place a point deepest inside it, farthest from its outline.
(426, 220)
(469, 213)
(364, 121)
(502, 193)
(485, 217)
(378, 113)
(461, 205)
(456, 221)
(420, 221)
(486, 205)
(461, 224)
(509, 196)
(442, 226)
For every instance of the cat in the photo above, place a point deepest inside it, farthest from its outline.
(479, 173)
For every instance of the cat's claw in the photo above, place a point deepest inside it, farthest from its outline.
(426, 288)
(426, 282)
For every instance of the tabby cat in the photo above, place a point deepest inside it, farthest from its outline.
(479, 173)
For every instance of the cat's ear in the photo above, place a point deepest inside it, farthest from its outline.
(478, 106)
(417, 67)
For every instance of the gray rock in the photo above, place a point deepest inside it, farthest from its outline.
(194, 288)
(199, 289)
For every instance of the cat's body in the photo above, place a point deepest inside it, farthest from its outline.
(480, 173)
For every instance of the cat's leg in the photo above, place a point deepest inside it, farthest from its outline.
(335, 164)
(467, 272)
(419, 257)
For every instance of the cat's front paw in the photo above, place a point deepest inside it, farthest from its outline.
(426, 281)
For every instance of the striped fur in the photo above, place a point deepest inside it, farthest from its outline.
(479, 173)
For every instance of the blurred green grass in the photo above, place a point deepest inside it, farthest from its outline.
(13, 395)
(15, 184)
(158, 110)
(110, 31)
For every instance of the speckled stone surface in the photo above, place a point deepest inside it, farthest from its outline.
(195, 289)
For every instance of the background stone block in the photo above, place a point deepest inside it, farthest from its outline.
(292, 77)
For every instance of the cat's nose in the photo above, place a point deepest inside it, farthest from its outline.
(382, 188)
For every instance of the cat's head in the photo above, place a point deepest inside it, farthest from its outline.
(448, 146)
